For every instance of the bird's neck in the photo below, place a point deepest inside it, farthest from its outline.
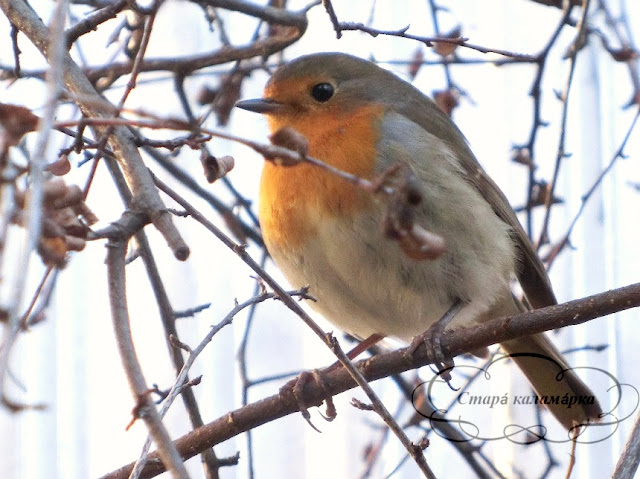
(295, 200)
(346, 140)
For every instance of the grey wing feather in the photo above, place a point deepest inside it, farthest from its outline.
(532, 274)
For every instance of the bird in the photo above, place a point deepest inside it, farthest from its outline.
(325, 232)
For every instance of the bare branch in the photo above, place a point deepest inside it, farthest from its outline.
(564, 241)
(430, 41)
(572, 54)
(183, 375)
(144, 409)
(91, 22)
(294, 25)
(453, 343)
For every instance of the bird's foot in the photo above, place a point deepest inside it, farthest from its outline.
(432, 341)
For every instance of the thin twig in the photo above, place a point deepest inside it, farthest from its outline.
(17, 70)
(25, 317)
(436, 27)
(250, 232)
(243, 366)
(574, 48)
(536, 93)
(269, 151)
(632, 63)
(183, 375)
(328, 6)
(297, 21)
(564, 241)
(210, 461)
(429, 41)
(144, 43)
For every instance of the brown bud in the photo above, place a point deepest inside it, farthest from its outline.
(444, 49)
(52, 229)
(54, 189)
(540, 193)
(446, 100)
(206, 95)
(522, 156)
(74, 243)
(72, 196)
(290, 139)
(228, 95)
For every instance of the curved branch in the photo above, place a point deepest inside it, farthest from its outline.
(337, 381)
(187, 64)
(92, 21)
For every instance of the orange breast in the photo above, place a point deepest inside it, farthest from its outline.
(295, 200)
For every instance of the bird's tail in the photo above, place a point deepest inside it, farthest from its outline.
(558, 387)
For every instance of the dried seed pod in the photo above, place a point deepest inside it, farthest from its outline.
(65, 220)
(15, 122)
(60, 167)
(216, 168)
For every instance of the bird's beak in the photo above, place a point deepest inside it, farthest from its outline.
(260, 105)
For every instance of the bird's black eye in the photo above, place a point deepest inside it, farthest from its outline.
(322, 92)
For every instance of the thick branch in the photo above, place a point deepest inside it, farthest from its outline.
(383, 365)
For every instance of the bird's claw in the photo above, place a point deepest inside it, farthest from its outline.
(432, 340)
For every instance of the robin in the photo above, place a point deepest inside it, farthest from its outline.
(325, 232)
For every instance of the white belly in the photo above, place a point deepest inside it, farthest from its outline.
(365, 284)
